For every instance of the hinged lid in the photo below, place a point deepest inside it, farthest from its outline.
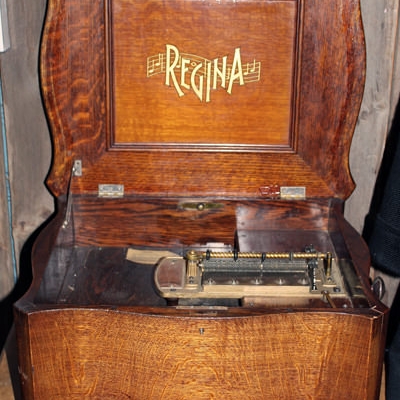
(203, 98)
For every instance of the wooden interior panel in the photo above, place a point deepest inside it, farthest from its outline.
(210, 74)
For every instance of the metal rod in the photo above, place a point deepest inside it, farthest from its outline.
(267, 255)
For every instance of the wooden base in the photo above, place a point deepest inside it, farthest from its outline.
(93, 326)
(105, 353)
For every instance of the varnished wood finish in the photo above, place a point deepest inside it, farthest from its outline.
(64, 255)
(92, 324)
(163, 222)
(86, 299)
(325, 97)
(117, 354)
(231, 115)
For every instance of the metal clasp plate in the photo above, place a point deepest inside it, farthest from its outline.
(283, 192)
(111, 191)
(293, 192)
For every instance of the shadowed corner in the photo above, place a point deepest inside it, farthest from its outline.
(9, 377)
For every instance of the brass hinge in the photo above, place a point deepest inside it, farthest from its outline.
(111, 191)
(283, 192)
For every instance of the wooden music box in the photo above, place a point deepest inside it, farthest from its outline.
(199, 248)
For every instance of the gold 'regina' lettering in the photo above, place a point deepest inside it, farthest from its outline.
(197, 74)
(198, 90)
(170, 67)
(237, 71)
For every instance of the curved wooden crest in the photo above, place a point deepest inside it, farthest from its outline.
(217, 98)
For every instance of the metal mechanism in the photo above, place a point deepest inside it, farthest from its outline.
(232, 274)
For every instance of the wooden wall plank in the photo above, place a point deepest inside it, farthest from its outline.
(6, 269)
(28, 139)
(381, 20)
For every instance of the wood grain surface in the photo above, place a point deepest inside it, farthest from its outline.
(155, 222)
(202, 109)
(83, 57)
(94, 313)
(88, 328)
(101, 354)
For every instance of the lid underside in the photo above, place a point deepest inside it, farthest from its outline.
(194, 98)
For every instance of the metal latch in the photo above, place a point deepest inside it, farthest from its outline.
(77, 168)
(283, 192)
(111, 191)
(200, 206)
